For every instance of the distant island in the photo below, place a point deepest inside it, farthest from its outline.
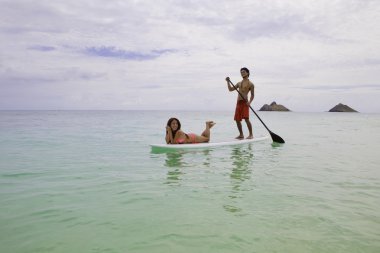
(342, 108)
(274, 107)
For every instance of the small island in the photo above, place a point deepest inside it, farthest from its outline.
(274, 107)
(342, 108)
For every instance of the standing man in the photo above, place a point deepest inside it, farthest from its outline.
(242, 105)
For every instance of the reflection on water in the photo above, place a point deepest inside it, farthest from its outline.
(177, 161)
(276, 145)
(241, 171)
(174, 176)
(232, 209)
(206, 154)
(174, 161)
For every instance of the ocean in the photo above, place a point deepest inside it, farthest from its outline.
(88, 181)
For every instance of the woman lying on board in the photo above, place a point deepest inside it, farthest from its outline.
(174, 134)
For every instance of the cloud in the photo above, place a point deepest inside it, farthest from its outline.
(181, 51)
(42, 48)
(374, 87)
(114, 52)
(283, 26)
(372, 61)
(15, 78)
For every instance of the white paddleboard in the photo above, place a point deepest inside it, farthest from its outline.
(207, 144)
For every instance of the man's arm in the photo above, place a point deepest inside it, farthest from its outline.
(229, 86)
(252, 88)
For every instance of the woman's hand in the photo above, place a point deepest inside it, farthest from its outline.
(169, 135)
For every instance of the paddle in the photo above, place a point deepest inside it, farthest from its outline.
(274, 136)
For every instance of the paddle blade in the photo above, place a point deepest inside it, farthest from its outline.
(276, 138)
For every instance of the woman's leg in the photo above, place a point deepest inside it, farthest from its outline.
(205, 137)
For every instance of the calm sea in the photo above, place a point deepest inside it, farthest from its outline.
(87, 181)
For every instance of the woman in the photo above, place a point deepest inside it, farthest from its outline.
(174, 134)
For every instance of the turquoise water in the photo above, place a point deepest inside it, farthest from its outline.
(87, 181)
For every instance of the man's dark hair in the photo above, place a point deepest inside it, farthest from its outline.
(245, 69)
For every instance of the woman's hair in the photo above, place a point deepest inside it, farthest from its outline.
(170, 122)
(245, 69)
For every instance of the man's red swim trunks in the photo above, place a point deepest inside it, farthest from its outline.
(241, 111)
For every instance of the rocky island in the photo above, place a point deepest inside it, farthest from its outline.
(342, 108)
(274, 107)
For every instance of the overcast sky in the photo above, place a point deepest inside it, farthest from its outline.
(175, 55)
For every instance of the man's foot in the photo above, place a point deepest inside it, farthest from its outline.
(250, 137)
(240, 137)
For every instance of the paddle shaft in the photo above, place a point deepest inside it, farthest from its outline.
(274, 136)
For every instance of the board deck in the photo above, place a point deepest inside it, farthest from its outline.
(207, 145)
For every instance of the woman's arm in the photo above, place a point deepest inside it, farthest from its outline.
(169, 135)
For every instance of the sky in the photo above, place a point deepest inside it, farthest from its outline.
(175, 55)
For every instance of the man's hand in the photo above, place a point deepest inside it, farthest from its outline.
(227, 79)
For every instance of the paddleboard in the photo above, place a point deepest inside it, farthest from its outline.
(207, 144)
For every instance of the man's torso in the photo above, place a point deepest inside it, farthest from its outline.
(245, 87)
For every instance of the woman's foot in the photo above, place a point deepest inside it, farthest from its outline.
(240, 137)
(210, 123)
(250, 137)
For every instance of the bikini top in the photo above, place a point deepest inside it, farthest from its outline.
(181, 140)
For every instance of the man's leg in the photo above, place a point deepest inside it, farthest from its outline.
(249, 125)
(240, 128)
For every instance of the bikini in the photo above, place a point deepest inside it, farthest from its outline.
(191, 136)
(180, 141)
